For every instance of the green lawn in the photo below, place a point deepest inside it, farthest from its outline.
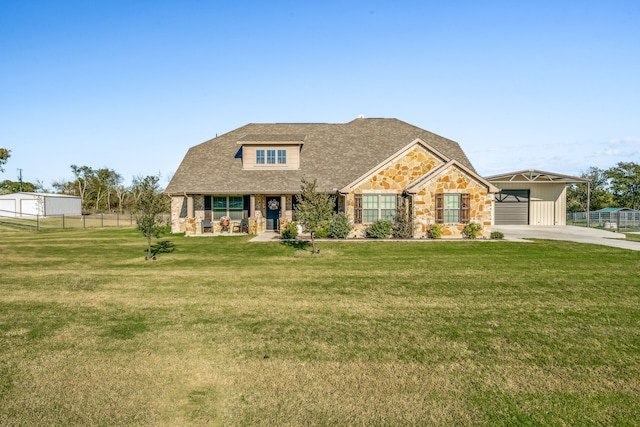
(227, 332)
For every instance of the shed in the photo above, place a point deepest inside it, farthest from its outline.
(42, 204)
(532, 197)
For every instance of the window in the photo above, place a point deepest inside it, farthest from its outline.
(228, 205)
(452, 208)
(271, 157)
(372, 207)
(282, 157)
(260, 157)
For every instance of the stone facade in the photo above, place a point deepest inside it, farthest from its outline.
(407, 170)
(453, 180)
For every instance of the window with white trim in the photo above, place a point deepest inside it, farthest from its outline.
(271, 157)
(260, 157)
(378, 206)
(282, 157)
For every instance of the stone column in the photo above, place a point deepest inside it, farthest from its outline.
(252, 206)
(190, 212)
(283, 206)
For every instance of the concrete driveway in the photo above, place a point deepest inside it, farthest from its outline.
(568, 233)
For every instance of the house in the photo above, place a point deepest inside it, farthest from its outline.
(532, 197)
(39, 204)
(372, 166)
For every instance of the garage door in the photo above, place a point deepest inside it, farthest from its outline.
(512, 207)
(7, 207)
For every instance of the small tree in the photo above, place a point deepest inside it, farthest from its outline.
(313, 209)
(149, 207)
(403, 225)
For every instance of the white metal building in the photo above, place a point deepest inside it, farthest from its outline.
(531, 197)
(42, 204)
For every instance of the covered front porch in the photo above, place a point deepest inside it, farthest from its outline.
(203, 214)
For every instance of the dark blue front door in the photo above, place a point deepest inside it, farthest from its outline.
(273, 213)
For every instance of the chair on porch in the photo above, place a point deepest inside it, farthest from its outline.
(206, 223)
(243, 225)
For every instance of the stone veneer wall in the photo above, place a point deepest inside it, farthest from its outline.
(178, 225)
(453, 181)
(393, 179)
(396, 177)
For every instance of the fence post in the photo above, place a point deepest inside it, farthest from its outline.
(84, 221)
(63, 221)
(102, 220)
(37, 222)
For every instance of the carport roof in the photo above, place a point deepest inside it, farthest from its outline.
(537, 176)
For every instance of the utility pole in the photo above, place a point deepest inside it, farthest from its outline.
(20, 179)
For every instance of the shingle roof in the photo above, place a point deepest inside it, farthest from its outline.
(333, 154)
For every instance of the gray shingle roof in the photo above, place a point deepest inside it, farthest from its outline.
(333, 154)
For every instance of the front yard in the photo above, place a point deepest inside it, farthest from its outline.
(227, 332)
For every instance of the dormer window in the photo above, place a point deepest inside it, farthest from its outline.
(271, 152)
(271, 157)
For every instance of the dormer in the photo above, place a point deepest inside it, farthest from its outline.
(271, 152)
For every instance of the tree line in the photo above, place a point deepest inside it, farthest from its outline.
(103, 191)
(618, 186)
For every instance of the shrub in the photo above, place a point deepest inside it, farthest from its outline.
(323, 230)
(339, 226)
(435, 231)
(381, 229)
(471, 230)
(290, 232)
(497, 235)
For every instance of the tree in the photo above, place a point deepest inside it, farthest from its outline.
(625, 184)
(83, 176)
(65, 187)
(7, 187)
(149, 207)
(4, 156)
(600, 196)
(313, 209)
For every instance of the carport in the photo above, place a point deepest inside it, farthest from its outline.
(532, 197)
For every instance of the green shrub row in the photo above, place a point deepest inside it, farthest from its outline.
(339, 227)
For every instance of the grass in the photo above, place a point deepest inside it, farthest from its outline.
(226, 332)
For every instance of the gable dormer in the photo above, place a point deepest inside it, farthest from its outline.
(271, 152)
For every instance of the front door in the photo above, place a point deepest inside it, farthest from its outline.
(273, 213)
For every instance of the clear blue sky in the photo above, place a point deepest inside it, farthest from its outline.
(131, 85)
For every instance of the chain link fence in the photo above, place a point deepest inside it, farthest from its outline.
(63, 222)
(614, 220)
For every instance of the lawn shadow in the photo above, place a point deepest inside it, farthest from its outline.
(300, 245)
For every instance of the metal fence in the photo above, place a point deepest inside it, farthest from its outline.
(621, 220)
(61, 222)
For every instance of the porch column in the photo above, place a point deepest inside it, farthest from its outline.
(190, 211)
(283, 204)
(252, 206)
